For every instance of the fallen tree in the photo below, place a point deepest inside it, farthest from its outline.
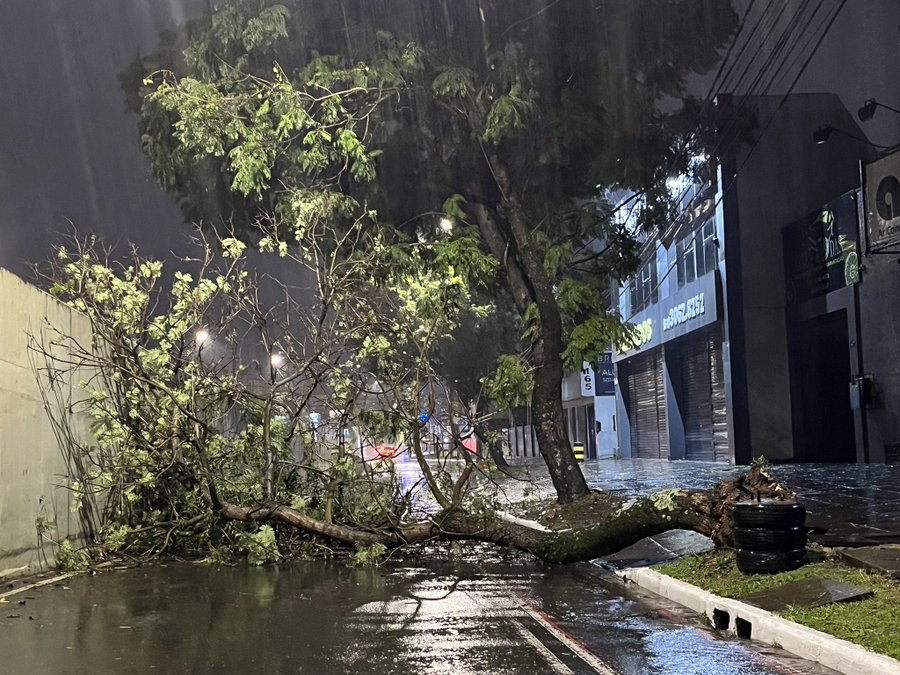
(616, 525)
(235, 413)
(199, 450)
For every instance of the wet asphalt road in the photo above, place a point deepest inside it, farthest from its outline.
(325, 618)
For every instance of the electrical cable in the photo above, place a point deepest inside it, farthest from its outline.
(823, 35)
(709, 97)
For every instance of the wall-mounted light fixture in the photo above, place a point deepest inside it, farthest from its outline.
(823, 133)
(867, 110)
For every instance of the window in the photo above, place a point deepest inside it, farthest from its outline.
(709, 247)
(697, 253)
(644, 287)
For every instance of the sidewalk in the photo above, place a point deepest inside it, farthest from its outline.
(848, 505)
(857, 504)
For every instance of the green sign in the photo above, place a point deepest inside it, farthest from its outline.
(821, 253)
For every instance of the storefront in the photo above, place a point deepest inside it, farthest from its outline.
(698, 385)
(671, 381)
(641, 380)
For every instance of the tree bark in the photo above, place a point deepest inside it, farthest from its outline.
(620, 525)
(530, 284)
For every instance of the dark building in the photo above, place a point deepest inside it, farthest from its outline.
(747, 321)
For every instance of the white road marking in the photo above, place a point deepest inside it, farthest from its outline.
(38, 584)
(556, 665)
(573, 646)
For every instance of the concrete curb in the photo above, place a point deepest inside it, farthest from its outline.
(744, 620)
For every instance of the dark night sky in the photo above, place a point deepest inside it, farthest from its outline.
(858, 59)
(69, 151)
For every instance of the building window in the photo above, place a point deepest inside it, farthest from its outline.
(696, 253)
(644, 287)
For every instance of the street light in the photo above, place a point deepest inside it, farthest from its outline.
(201, 337)
(446, 225)
(822, 134)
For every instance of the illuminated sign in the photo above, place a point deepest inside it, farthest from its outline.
(820, 250)
(687, 309)
(643, 334)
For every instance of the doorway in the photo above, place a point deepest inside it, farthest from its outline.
(820, 392)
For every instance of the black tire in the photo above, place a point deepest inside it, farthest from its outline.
(769, 515)
(762, 539)
(768, 562)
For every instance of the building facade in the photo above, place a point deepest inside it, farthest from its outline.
(734, 357)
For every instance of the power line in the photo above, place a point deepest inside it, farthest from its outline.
(726, 134)
(708, 99)
(634, 197)
(771, 119)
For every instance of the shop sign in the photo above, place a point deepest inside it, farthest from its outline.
(685, 311)
(883, 202)
(642, 334)
(606, 376)
(821, 252)
(587, 379)
(691, 307)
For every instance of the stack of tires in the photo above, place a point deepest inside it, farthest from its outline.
(769, 536)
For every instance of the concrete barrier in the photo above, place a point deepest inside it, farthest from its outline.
(746, 621)
(35, 512)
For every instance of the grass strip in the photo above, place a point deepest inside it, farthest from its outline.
(873, 623)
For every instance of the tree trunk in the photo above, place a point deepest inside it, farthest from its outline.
(525, 281)
(553, 438)
(546, 355)
(618, 525)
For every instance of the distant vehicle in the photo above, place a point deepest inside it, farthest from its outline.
(379, 453)
(385, 451)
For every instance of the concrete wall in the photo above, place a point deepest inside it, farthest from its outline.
(34, 476)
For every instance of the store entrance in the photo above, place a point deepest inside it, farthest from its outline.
(820, 394)
(646, 405)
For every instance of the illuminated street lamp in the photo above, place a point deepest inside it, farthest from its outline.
(446, 225)
(201, 337)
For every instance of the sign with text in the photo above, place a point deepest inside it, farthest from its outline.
(821, 252)
(883, 202)
(606, 376)
(691, 307)
(588, 385)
